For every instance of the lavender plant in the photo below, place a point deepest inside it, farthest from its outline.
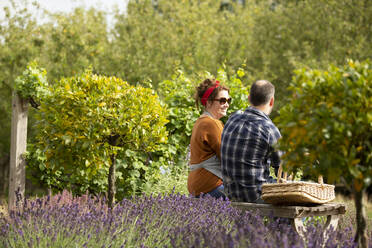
(152, 221)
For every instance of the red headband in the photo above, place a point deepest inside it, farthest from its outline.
(208, 92)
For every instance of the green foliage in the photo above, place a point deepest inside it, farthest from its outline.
(238, 90)
(271, 38)
(327, 126)
(194, 36)
(65, 45)
(173, 180)
(76, 122)
(149, 41)
(293, 34)
(32, 84)
(74, 42)
(18, 30)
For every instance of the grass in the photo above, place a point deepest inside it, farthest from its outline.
(351, 212)
(173, 180)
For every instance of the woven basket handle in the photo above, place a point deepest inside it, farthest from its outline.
(284, 178)
(280, 172)
(320, 179)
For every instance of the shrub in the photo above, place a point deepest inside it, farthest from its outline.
(77, 124)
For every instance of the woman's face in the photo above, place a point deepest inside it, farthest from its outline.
(218, 107)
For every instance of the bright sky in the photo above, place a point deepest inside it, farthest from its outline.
(68, 5)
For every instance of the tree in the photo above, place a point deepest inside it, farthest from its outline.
(270, 41)
(65, 45)
(86, 124)
(73, 42)
(294, 34)
(193, 36)
(327, 129)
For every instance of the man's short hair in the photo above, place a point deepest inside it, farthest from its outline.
(261, 92)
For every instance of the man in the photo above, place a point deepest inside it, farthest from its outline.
(247, 146)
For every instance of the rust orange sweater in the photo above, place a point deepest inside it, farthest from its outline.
(205, 143)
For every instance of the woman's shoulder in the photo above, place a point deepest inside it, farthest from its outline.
(207, 121)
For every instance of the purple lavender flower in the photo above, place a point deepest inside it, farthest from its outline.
(155, 221)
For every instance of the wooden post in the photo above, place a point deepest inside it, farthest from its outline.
(18, 144)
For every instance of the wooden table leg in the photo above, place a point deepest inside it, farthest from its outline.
(299, 227)
(332, 221)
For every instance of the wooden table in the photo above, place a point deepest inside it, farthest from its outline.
(296, 213)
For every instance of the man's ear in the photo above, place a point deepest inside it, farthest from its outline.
(272, 101)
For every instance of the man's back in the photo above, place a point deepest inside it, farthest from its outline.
(246, 153)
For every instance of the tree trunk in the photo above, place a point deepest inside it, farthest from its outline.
(111, 182)
(112, 140)
(361, 234)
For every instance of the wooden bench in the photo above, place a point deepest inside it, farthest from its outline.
(296, 213)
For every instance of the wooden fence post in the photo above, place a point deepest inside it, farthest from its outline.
(18, 144)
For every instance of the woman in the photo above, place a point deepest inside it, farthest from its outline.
(205, 175)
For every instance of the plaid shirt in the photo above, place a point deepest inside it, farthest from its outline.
(246, 154)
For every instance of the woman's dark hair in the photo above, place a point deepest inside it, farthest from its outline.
(202, 88)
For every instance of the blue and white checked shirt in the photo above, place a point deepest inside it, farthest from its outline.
(246, 154)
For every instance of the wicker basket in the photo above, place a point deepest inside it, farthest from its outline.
(297, 192)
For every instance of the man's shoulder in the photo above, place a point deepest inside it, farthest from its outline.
(272, 130)
(235, 119)
(248, 116)
(239, 115)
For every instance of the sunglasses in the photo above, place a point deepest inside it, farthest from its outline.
(223, 100)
